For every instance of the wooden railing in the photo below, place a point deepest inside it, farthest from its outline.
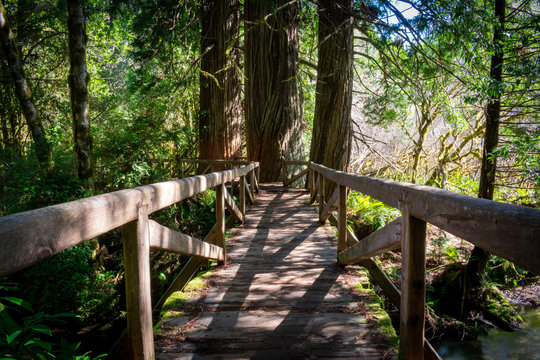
(295, 163)
(29, 237)
(509, 231)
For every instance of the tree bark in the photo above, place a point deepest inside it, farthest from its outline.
(476, 266)
(220, 121)
(78, 84)
(273, 125)
(22, 90)
(332, 134)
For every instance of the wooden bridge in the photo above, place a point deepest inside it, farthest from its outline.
(280, 294)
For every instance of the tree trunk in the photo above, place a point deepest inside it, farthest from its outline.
(7, 42)
(332, 134)
(273, 126)
(476, 266)
(220, 121)
(78, 84)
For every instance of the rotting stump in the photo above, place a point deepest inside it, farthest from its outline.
(280, 296)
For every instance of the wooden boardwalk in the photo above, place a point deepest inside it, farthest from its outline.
(280, 297)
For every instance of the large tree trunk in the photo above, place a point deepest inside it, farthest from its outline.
(332, 135)
(273, 126)
(78, 84)
(7, 42)
(479, 257)
(220, 121)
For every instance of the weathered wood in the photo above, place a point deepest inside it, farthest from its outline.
(188, 271)
(321, 197)
(138, 296)
(383, 240)
(413, 285)
(351, 238)
(331, 205)
(215, 161)
(220, 220)
(190, 268)
(31, 236)
(310, 180)
(280, 291)
(342, 218)
(379, 275)
(485, 223)
(315, 190)
(231, 206)
(208, 167)
(252, 185)
(248, 192)
(256, 181)
(163, 238)
(242, 197)
(429, 352)
(296, 177)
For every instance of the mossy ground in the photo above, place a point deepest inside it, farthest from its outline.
(180, 304)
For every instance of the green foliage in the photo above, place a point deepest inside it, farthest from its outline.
(367, 214)
(504, 272)
(25, 334)
(68, 282)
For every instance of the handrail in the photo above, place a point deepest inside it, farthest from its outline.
(31, 236)
(509, 231)
(506, 230)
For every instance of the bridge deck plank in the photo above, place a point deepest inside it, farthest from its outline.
(281, 296)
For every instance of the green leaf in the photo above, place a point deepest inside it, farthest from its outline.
(18, 301)
(13, 336)
(42, 344)
(44, 329)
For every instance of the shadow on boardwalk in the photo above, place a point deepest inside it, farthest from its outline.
(280, 297)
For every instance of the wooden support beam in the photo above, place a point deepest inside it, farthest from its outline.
(187, 272)
(331, 205)
(383, 240)
(231, 206)
(380, 277)
(310, 179)
(252, 185)
(220, 220)
(413, 285)
(315, 190)
(163, 238)
(248, 192)
(205, 171)
(296, 177)
(342, 218)
(256, 180)
(136, 240)
(321, 198)
(258, 173)
(242, 197)
(351, 238)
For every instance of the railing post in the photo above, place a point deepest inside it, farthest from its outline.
(220, 219)
(310, 179)
(258, 172)
(342, 219)
(413, 285)
(136, 240)
(321, 196)
(242, 197)
(252, 183)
